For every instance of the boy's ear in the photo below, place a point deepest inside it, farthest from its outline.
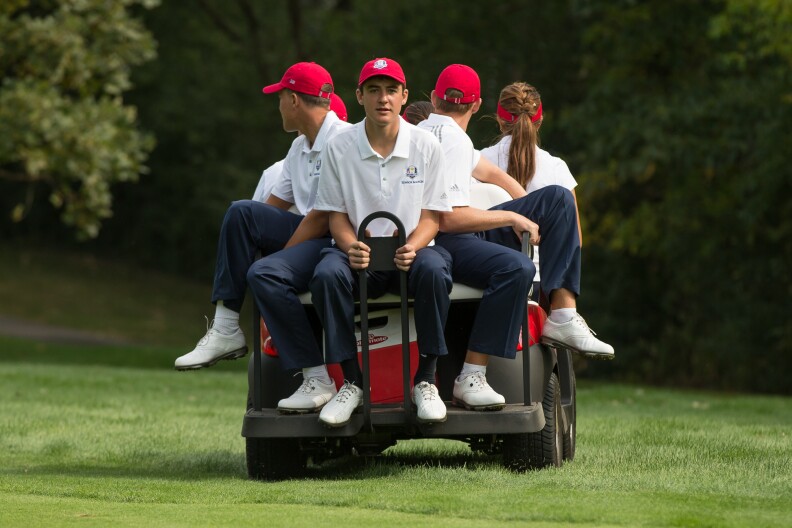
(477, 105)
(359, 96)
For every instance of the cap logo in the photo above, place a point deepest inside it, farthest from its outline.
(380, 64)
(292, 81)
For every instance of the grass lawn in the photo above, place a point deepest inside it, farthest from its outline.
(100, 436)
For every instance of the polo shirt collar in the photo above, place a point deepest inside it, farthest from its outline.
(437, 119)
(329, 122)
(400, 150)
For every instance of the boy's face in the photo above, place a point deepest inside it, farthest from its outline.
(287, 111)
(382, 99)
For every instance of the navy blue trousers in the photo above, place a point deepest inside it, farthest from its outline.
(553, 209)
(275, 281)
(248, 226)
(505, 275)
(334, 288)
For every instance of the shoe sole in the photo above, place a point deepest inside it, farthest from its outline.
(492, 407)
(427, 420)
(284, 410)
(235, 354)
(342, 424)
(592, 355)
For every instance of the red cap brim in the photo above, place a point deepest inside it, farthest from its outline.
(272, 88)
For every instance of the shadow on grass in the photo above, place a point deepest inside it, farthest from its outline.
(228, 464)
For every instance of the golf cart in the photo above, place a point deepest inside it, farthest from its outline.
(535, 429)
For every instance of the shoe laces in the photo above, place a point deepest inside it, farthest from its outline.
(209, 331)
(427, 390)
(308, 385)
(346, 392)
(478, 378)
(582, 322)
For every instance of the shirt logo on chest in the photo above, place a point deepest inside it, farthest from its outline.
(410, 175)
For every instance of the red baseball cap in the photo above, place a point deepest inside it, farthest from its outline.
(303, 77)
(337, 105)
(382, 66)
(462, 78)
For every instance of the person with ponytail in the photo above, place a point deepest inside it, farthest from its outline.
(519, 116)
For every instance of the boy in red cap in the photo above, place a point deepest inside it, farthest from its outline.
(291, 241)
(505, 275)
(383, 163)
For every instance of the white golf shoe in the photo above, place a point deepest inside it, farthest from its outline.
(472, 391)
(430, 408)
(311, 396)
(576, 336)
(338, 411)
(213, 347)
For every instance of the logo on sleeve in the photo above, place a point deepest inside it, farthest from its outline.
(410, 176)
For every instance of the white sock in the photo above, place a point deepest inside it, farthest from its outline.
(319, 372)
(226, 320)
(470, 368)
(562, 315)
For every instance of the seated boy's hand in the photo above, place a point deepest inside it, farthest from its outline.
(359, 255)
(405, 256)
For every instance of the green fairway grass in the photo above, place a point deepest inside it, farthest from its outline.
(111, 436)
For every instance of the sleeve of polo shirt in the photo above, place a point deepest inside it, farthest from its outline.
(330, 197)
(436, 183)
(562, 175)
(458, 158)
(283, 189)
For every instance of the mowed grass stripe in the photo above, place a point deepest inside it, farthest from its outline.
(131, 445)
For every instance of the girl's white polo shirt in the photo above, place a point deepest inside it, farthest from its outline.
(358, 181)
(550, 170)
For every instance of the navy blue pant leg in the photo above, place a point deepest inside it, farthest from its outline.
(429, 284)
(553, 209)
(276, 281)
(334, 289)
(506, 276)
(248, 226)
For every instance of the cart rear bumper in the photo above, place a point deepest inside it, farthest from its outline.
(513, 419)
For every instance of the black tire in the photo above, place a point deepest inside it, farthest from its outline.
(570, 429)
(273, 458)
(543, 448)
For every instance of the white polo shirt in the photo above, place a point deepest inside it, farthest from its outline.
(550, 170)
(300, 176)
(269, 178)
(460, 156)
(357, 181)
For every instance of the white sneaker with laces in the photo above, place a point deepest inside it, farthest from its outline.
(213, 347)
(472, 391)
(311, 396)
(577, 336)
(338, 411)
(430, 407)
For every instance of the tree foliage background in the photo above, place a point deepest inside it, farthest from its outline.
(674, 116)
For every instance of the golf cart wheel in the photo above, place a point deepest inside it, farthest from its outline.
(543, 448)
(273, 458)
